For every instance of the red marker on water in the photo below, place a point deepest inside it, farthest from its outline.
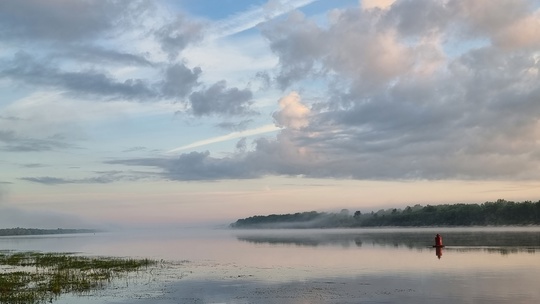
(438, 241)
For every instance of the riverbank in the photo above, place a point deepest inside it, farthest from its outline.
(35, 231)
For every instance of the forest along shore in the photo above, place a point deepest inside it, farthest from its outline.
(498, 213)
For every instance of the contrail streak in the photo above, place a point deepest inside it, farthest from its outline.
(233, 135)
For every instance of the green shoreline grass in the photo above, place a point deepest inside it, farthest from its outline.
(41, 277)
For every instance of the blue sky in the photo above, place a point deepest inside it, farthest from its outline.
(182, 112)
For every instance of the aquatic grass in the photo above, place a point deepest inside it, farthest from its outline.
(41, 277)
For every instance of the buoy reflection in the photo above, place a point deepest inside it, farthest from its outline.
(438, 252)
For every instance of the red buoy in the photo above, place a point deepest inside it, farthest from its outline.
(438, 241)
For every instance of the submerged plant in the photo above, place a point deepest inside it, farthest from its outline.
(38, 277)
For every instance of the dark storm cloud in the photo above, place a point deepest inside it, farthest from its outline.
(220, 100)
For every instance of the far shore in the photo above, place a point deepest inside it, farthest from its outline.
(37, 231)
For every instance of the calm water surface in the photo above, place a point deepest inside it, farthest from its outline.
(478, 265)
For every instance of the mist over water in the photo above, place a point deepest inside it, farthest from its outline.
(412, 238)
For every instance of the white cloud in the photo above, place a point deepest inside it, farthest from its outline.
(391, 103)
(293, 113)
(397, 107)
(372, 4)
(523, 33)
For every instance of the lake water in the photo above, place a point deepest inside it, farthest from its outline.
(478, 265)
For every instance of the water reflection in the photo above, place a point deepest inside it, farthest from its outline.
(502, 242)
(438, 252)
(320, 266)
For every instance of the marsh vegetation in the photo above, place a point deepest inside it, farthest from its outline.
(32, 277)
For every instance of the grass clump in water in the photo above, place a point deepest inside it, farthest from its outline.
(40, 277)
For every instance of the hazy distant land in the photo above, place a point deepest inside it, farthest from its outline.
(35, 231)
(498, 213)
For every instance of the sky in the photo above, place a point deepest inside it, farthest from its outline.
(186, 112)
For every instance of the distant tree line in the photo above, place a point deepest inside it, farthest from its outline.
(498, 213)
(35, 231)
